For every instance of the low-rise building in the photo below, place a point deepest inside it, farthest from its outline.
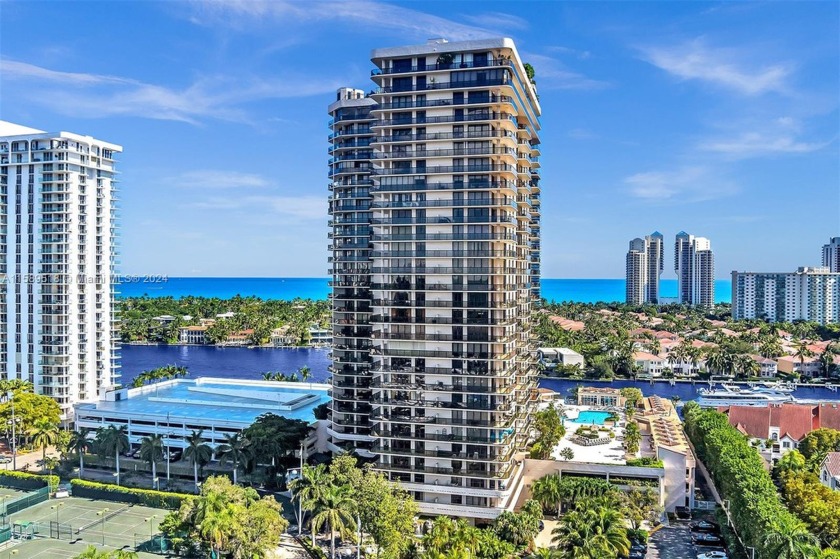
(660, 420)
(768, 368)
(164, 319)
(280, 337)
(806, 367)
(217, 407)
(830, 471)
(319, 336)
(196, 335)
(648, 363)
(551, 357)
(779, 428)
(600, 397)
(240, 338)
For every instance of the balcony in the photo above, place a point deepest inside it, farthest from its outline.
(490, 63)
(445, 169)
(473, 117)
(422, 154)
(430, 85)
(426, 137)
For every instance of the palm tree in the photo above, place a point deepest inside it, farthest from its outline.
(234, 449)
(548, 492)
(591, 533)
(308, 489)
(747, 366)
(802, 352)
(51, 463)
(827, 359)
(305, 373)
(197, 451)
(543, 553)
(44, 433)
(79, 443)
(151, 450)
(335, 510)
(113, 440)
(791, 540)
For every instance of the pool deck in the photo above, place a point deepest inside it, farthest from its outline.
(612, 453)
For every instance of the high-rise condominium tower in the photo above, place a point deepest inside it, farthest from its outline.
(694, 263)
(644, 267)
(435, 244)
(811, 294)
(57, 257)
(831, 255)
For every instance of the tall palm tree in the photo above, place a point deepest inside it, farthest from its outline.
(335, 510)
(790, 539)
(308, 489)
(113, 440)
(44, 433)
(802, 352)
(214, 518)
(305, 373)
(591, 533)
(151, 451)
(233, 450)
(197, 451)
(79, 443)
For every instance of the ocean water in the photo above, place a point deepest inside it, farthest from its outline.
(578, 290)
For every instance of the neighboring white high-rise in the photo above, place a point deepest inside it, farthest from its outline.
(811, 294)
(57, 257)
(644, 268)
(694, 263)
(435, 265)
(831, 255)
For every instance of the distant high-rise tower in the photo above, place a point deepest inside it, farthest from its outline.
(831, 255)
(57, 259)
(644, 266)
(694, 263)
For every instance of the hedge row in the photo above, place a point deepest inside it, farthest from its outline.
(27, 481)
(110, 492)
(741, 478)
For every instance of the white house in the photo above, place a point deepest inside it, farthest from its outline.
(769, 368)
(550, 357)
(830, 471)
(649, 363)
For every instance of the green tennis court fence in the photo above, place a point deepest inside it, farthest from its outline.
(156, 544)
(25, 501)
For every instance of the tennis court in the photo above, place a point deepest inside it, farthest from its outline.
(54, 549)
(93, 522)
(11, 493)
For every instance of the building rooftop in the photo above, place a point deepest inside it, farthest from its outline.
(213, 400)
(11, 129)
(832, 464)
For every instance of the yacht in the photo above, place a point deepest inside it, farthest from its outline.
(773, 388)
(730, 395)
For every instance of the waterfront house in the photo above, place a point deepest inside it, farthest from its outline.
(195, 335)
(551, 357)
(648, 363)
(280, 337)
(807, 367)
(830, 471)
(768, 367)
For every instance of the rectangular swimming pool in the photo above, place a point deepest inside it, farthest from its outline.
(592, 417)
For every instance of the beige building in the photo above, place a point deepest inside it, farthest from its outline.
(600, 397)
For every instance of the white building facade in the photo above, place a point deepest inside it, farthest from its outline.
(644, 267)
(694, 263)
(57, 258)
(811, 294)
(435, 267)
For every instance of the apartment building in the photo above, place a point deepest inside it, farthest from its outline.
(57, 259)
(811, 294)
(435, 265)
(831, 255)
(644, 267)
(694, 263)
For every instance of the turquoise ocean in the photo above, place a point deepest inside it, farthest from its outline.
(578, 290)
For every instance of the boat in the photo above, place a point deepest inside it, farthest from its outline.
(730, 395)
(773, 388)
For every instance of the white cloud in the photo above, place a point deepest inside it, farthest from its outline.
(723, 67)
(756, 139)
(494, 20)
(299, 207)
(243, 14)
(684, 185)
(219, 179)
(211, 97)
(551, 74)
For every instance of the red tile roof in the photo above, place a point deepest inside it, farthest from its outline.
(828, 415)
(792, 420)
(832, 464)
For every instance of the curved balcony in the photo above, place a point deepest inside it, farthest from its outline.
(473, 117)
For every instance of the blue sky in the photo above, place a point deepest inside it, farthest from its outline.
(720, 119)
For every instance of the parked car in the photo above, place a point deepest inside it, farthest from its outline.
(136, 454)
(705, 526)
(176, 455)
(637, 555)
(683, 513)
(716, 554)
(5, 460)
(707, 539)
